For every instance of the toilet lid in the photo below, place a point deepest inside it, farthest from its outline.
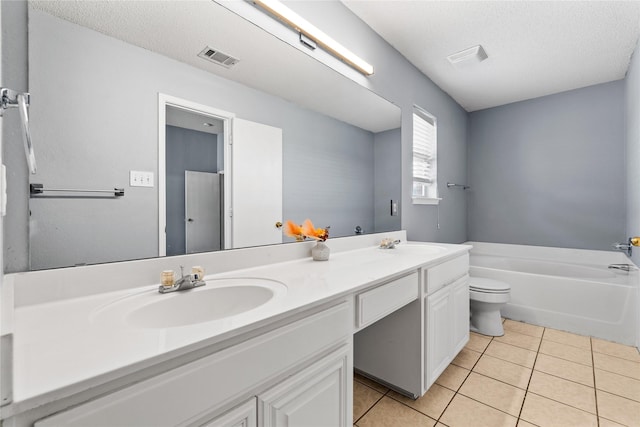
(481, 284)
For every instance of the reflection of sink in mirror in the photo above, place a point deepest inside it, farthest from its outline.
(220, 298)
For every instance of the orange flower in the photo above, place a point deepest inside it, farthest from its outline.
(308, 230)
(293, 230)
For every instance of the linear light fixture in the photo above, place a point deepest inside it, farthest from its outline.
(300, 24)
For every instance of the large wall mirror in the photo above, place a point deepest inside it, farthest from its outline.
(100, 74)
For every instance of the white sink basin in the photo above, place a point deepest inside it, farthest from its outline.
(219, 299)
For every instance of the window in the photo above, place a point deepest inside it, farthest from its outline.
(425, 158)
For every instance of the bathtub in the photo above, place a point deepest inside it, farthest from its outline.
(566, 289)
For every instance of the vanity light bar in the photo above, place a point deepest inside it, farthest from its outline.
(300, 24)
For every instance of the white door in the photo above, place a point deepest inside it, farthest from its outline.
(256, 184)
(202, 211)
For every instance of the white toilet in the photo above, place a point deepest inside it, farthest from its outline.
(487, 296)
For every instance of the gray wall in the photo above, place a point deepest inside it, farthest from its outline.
(550, 171)
(86, 89)
(400, 82)
(386, 185)
(632, 98)
(186, 150)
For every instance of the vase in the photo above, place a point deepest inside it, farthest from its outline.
(320, 252)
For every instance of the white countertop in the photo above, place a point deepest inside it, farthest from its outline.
(63, 346)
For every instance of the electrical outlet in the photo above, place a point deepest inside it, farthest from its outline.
(140, 179)
(394, 208)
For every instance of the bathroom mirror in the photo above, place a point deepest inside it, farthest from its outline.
(96, 72)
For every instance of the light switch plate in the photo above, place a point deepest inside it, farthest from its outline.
(140, 179)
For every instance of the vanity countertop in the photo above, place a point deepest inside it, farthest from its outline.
(65, 346)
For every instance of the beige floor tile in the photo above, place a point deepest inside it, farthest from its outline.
(465, 412)
(363, 398)
(517, 355)
(523, 328)
(519, 340)
(608, 423)
(567, 338)
(618, 409)
(368, 382)
(466, 358)
(567, 352)
(615, 349)
(523, 423)
(432, 403)
(615, 364)
(478, 342)
(504, 371)
(391, 413)
(546, 412)
(453, 377)
(618, 384)
(566, 369)
(564, 391)
(494, 393)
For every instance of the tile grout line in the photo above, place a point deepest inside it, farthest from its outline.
(595, 390)
(465, 379)
(544, 330)
(371, 407)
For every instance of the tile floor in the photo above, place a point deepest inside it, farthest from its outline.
(531, 376)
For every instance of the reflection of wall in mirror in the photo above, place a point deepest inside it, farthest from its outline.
(107, 125)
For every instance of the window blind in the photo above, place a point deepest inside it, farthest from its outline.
(424, 150)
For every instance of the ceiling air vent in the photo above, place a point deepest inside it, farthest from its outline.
(218, 57)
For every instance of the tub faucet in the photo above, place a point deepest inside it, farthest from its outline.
(189, 281)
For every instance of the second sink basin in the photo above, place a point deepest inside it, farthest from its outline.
(220, 298)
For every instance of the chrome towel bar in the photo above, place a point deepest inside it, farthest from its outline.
(464, 187)
(36, 189)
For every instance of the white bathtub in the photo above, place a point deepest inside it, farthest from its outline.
(567, 289)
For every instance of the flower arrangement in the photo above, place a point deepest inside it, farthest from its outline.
(305, 231)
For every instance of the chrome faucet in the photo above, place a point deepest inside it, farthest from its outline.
(189, 281)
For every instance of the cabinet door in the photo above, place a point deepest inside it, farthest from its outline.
(439, 334)
(245, 415)
(317, 396)
(460, 309)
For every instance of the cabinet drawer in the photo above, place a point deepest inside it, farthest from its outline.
(445, 273)
(190, 392)
(373, 305)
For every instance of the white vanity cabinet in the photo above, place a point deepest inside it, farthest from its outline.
(316, 396)
(409, 348)
(307, 364)
(245, 415)
(446, 315)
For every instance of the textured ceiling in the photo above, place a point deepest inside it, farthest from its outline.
(535, 48)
